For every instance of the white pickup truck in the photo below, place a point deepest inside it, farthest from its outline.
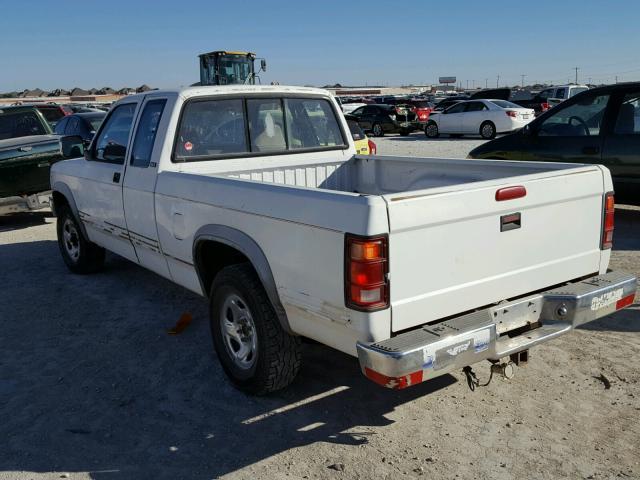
(254, 197)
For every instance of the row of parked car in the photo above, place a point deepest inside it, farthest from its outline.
(569, 123)
(485, 113)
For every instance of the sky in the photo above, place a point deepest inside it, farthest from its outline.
(68, 43)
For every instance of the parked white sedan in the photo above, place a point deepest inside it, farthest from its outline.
(478, 117)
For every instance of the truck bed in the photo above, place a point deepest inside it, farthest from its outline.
(449, 250)
(389, 175)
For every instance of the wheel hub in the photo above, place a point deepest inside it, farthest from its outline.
(239, 331)
(71, 239)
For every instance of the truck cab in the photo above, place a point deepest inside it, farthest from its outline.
(228, 68)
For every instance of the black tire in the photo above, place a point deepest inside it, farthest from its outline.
(79, 254)
(488, 130)
(405, 133)
(431, 130)
(377, 130)
(276, 356)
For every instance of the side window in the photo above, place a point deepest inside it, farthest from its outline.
(72, 126)
(21, 124)
(266, 125)
(356, 131)
(369, 110)
(578, 119)
(457, 108)
(561, 93)
(358, 111)
(475, 107)
(543, 95)
(211, 127)
(111, 144)
(60, 126)
(311, 123)
(628, 121)
(146, 133)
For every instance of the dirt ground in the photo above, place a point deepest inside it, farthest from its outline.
(93, 387)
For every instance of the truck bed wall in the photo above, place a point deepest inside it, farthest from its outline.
(385, 175)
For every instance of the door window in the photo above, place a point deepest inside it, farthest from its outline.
(579, 119)
(146, 133)
(72, 127)
(457, 108)
(358, 111)
(60, 126)
(475, 107)
(111, 144)
(20, 124)
(628, 121)
(543, 95)
(561, 93)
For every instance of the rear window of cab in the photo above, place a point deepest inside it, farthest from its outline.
(212, 129)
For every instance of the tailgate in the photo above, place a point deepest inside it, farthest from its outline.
(448, 254)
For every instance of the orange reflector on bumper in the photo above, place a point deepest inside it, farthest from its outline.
(397, 383)
(626, 301)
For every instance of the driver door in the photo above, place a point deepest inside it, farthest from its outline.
(450, 120)
(573, 133)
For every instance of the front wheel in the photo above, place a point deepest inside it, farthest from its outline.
(377, 130)
(79, 254)
(488, 130)
(255, 352)
(431, 130)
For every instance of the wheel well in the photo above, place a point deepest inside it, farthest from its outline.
(212, 257)
(59, 200)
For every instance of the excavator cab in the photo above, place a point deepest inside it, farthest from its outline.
(228, 68)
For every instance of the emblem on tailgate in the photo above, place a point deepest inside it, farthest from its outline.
(606, 299)
(459, 348)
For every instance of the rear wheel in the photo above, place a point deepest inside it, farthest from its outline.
(487, 130)
(377, 130)
(79, 254)
(431, 130)
(255, 352)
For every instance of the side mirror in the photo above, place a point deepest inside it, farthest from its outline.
(72, 146)
(114, 152)
(263, 65)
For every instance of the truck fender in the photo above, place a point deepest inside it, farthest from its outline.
(64, 190)
(249, 248)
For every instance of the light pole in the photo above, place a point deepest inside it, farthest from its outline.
(498, 81)
(522, 80)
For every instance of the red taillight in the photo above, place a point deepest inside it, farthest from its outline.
(366, 268)
(373, 149)
(511, 113)
(545, 106)
(609, 209)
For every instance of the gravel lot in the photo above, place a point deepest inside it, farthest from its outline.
(92, 386)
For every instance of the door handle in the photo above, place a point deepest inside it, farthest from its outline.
(116, 177)
(591, 150)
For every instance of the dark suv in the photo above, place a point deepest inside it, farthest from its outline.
(380, 119)
(599, 126)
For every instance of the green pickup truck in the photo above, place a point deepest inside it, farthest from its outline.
(27, 151)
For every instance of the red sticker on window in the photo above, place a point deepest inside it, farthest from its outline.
(188, 146)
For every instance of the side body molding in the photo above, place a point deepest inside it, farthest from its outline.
(250, 249)
(64, 189)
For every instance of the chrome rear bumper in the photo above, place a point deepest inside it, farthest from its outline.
(434, 350)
